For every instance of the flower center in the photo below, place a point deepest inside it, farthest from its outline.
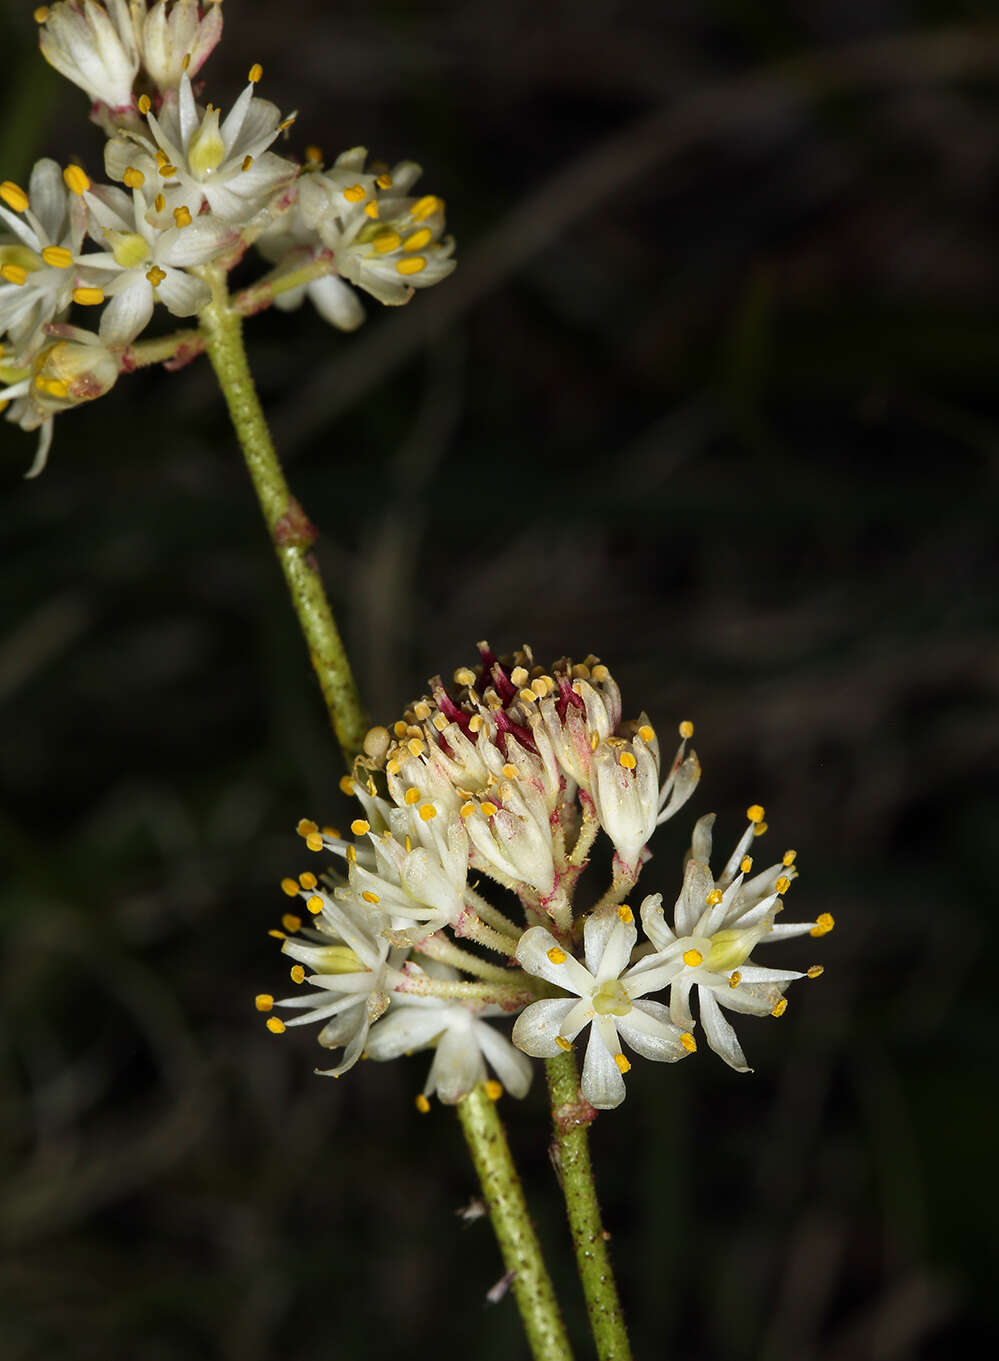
(129, 249)
(729, 949)
(611, 999)
(206, 151)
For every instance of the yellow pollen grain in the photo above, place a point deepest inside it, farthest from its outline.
(647, 733)
(415, 746)
(370, 897)
(411, 796)
(246, 162)
(688, 1042)
(423, 207)
(556, 955)
(824, 923)
(255, 72)
(308, 880)
(788, 858)
(314, 155)
(291, 923)
(314, 841)
(692, 958)
(384, 181)
(298, 974)
(746, 864)
(355, 194)
(360, 827)
(428, 812)
(314, 904)
(41, 14)
(76, 179)
(132, 178)
(755, 812)
(290, 887)
(780, 1008)
(275, 1025)
(760, 828)
(625, 914)
(734, 979)
(14, 196)
(494, 1089)
(88, 297)
(489, 809)
(464, 676)
(714, 897)
(263, 1001)
(623, 1066)
(686, 728)
(182, 215)
(816, 971)
(371, 209)
(467, 809)
(563, 1043)
(627, 760)
(416, 241)
(14, 274)
(156, 275)
(413, 264)
(510, 771)
(783, 884)
(422, 1104)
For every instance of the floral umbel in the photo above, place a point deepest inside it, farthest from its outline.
(86, 266)
(455, 898)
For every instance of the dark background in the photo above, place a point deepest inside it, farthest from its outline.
(711, 394)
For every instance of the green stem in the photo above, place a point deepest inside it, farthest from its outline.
(532, 1287)
(291, 531)
(571, 1115)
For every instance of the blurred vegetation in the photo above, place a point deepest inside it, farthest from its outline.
(712, 394)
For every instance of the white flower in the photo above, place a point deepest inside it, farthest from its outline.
(92, 43)
(147, 259)
(40, 269)
(224, 163)
(463, 1042)
(289, 244)
(176, 37)
(717, 925)
(608, 994)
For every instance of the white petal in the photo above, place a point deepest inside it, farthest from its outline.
(42, 452)
(650, 1032)
(182, 294)
(336, 302)
(235, 118)
(692, 902)
(620, 942)
(128, 311)
(654, 921)
(534, 951)
(513, 1068)
(719, 1034)
(538, 1025)
(679, 1004)
(458, 1065)
(404, 1029)
(602, 1083)
(194, 244)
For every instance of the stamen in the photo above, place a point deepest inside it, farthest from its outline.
(412, 796)
(824, 923)
(14, 196)
(346, 784)
(475, 723)
(416, 242)
(494, 1089)
(625, 914)
(370, 897)
(159, 203)
(371, 209)
(467, 809)
(314, 841)
(360, 827)
(156, 275)
(755, 812)
(290, 887)
(423, 207)
(428, 812)
(298, 974)
(647, 733)
(623, 1066)
(291, 923)
(76, 179)
(41, 14)
(692, 958)
(686, 728)
(556, 955)
(145, 104)
(275, 1025)
(181, 215)
(760, 828)
(384, 181)
(308, 881)
(488, 809)
(788, 858)
(528, 696)
(714, 897)
(816, 971)
(734, 979)
(254, 73)
(14, 274)
(246, 162)
(688, 1042)
(464, 676)
(627, 760)
(263, 1001)
(783, 884)
(780, 1008)
(314, 904)
(88, 297)
(563, 1043)
(313, 155)
(422, 1104)
(355, 194)
(413, 264)
(132, 178)
(440, 722)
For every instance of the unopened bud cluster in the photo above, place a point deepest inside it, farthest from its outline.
(189, 189)
(511, 775)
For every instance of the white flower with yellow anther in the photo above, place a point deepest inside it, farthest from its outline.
(607, 995)
(146, 263)
(68, 372)
(583, 711)
(39, 267)
(289, 244)
(92, 43)
(174, 37)
(381, 240)
(717, 925)
(418, 888)
(224, 163)
(512, 836)
(463, 1043)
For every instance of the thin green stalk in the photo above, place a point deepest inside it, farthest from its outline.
(532, 1287)
(291, 531)
(571, 1117)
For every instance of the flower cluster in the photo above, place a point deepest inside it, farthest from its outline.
(510, 776)
(190, 190)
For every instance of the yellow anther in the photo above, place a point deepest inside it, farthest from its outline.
(346, 784)
(440, 722)
(384, 243)
(278, 935)
(623, 1066)
(816, 971)
(424, 207)
(159, 203)
(594, 741)
(156, 275)
(686, 728)
(306, 827)
(263, 1001)
(314, 904)
(351, 854)
(540, 686)
(132, 178)
(422, 1104)
(625, 914)
(275, 1025)
(755, 812)
(467, 809)
(745, 864)
(291, 923)
(394, 766)
(314, 841)
(409, 845)
(246, 162)
(780, 1008)
(824, 923)
(384, 181)
(283, 127)
(760, 828)
(475, 723)
(370, 897)
(166, 170)
(355, 194)
(400, 728)
(494, 1089)
(182, 215)
(412, 264)
(186, 62)
(556, 955)
(55, 387)
(41, 14)
(647, 733)
(416, 241)
(714, 897)
(464, 676)
(563, 1043)
(308, 881)
(489, 809)
(314, 155)
(14, 274)
(688, 1042)
(510, 771)
(412, 796)
(519, 675)
(290, 887)
(415, 746)
(298, 974)
(254, 73)
(783, 884)
(371, 209)
(428, 812)
(14, 196)
(788, 858)
(734, 978)
(76, 179)
(360, 827)
(627, 760)
(88, 297)
(692, 958)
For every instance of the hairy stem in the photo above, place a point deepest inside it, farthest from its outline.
(571, 1116)
(518, 1243)
(291, 531)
